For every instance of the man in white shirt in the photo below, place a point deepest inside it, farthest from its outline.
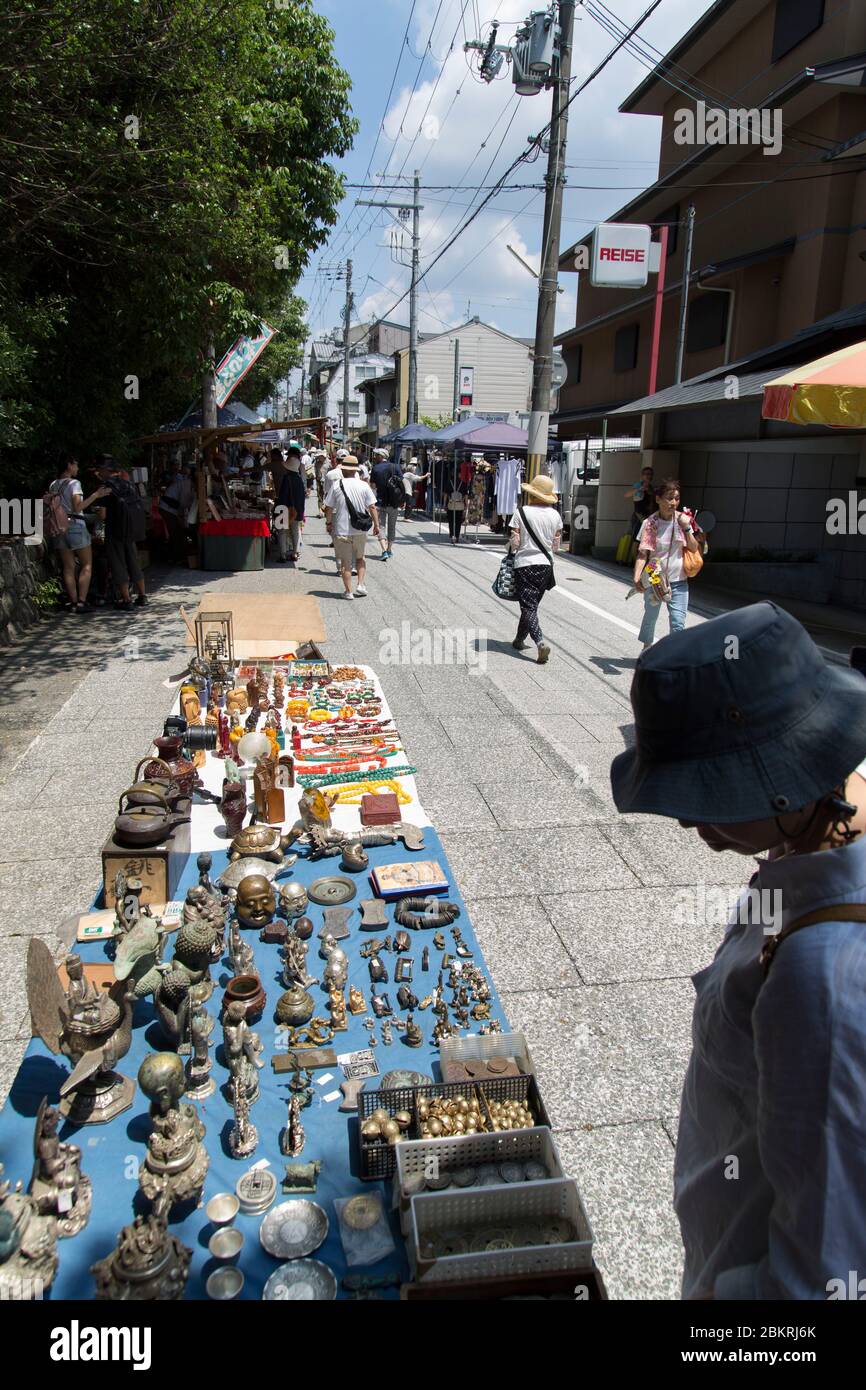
(350, 540)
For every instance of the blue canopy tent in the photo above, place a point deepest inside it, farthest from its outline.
(410, 434)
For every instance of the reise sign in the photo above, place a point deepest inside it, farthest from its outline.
(620, 255)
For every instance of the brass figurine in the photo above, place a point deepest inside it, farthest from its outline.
(58, 1186)
(176, 1163)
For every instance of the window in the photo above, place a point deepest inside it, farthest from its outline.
(707, 322)
(795, 21)
(364, 373)
(625, 348)
(670, 219)
(354, 407)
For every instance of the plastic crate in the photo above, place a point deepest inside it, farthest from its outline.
(378, 1159)
(484, 1046)
(470, 1151)
(497, 1208)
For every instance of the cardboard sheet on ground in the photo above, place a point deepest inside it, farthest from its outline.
(266, 625)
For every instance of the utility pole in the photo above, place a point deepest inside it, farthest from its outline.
(347, 313)
(413, 308)
(303, 381)
(542, 367)
(684, 297)
(456, 377)
(416, 209)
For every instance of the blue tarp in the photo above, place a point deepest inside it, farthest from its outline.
(411, 434)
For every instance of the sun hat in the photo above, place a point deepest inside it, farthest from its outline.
(739, 719)
(541, 487)
(349, 461)
(380, 453)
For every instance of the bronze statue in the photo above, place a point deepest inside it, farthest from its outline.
(91, 1027)
(57, 1185)
(199, 1082)
(172, 1002)
(293, 1137)
(294, 954)
(147, 1264)
(337, 1006)
(256, 901)
(195, 943)
(241, 1047)
(176, 1163)
(244, 1136)
(28, 1251)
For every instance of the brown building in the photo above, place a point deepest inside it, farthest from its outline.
(783, 235)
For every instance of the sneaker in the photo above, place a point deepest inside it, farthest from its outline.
(543, 653)
(386, 555)
(141, 601)
(361, 591)
(347, 595)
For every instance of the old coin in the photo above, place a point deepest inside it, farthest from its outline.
(331, 891)
(464, 1177)
(439, 1183)
(362, 1212)
(511, 1172)
(535, 1172)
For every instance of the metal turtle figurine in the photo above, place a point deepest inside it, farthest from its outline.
(257, 849)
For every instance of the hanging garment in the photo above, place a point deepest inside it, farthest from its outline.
(507, 478)
(476, 509)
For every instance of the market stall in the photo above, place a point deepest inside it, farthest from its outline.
(336, 1106)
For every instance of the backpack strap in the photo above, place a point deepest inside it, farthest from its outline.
(839, 912)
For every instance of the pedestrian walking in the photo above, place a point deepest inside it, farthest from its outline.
(456, 509)
(660, 567)
(174, 504)
(411, 479)
(290, 511)
(350, 507)
(124, 527)
(320, 467)
(642, 496)
(71, 544)
(745, 734)
(387, 482)
(536, 531)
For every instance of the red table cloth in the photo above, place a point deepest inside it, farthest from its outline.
(236, 526)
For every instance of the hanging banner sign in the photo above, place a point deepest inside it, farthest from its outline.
(620, 255)
(466, 385)
(239, 359)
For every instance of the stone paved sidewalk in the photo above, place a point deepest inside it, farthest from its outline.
(572, 904)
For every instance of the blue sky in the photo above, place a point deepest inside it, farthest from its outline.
(442, 119)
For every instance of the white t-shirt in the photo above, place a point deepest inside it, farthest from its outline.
(67, 489)
(670, 560)
(545, 522)
(363, 497)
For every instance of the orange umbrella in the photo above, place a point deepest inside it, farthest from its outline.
(829, 391)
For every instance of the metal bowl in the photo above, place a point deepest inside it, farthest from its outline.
(222, 1208)
(392, 1080)
(226, 1243)
(294, 1229)
(303, 1281)
(225, 1283)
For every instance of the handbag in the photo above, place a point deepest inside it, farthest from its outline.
(551, 578)
(505, 584)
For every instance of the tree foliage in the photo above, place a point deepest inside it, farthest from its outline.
(166, 175)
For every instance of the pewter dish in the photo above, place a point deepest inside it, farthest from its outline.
(393, 1080)
(331, 891)
(222, 1208)
(226, 1243)
(511, 1171)
(225, 1283)
(307, 1281)
(294, 1229)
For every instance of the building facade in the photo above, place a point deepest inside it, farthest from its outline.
(779, 237)
(496, 369)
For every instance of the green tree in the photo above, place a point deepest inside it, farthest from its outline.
(167, 176)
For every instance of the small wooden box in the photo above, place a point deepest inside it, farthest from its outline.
(383, 809)
(159, 866)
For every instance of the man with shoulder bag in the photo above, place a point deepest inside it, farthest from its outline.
(350, 508)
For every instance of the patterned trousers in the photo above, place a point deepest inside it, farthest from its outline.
(531, 583)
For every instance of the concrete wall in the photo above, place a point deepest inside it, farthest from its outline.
(617, 470)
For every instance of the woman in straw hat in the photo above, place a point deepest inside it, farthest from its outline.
(536, 530)
(747, 735)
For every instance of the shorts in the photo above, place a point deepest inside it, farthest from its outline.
(349, 548)
(75, 537)
(123, 559)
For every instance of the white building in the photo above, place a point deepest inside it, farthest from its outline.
(473, 369)
(327, 383)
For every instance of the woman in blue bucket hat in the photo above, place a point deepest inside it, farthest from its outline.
(748, 736)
